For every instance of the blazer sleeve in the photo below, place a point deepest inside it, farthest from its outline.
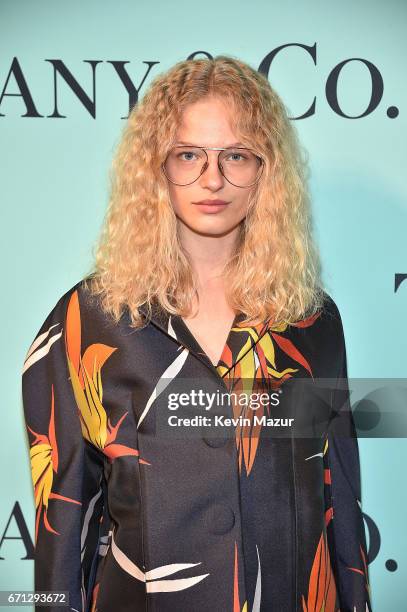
(345, 526)
(66, 469)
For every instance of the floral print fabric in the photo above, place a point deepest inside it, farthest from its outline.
(127, 519)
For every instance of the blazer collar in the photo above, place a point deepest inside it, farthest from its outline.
(174, 326)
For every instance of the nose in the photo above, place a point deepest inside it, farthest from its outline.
(212, 176)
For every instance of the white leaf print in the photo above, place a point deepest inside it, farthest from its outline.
(257, 592)
(256, 360)
(125, 563)
(104, 544)
(103, 548)
(312, 456)
(171, 329)
(159, 586)
(166, 570)
(164, 586)
(35, 355)
(39, 339)
(172, 371)
(83, 591)
(86, 520)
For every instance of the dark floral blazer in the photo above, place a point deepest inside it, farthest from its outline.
(248, 514)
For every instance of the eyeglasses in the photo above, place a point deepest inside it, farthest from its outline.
(240, 166)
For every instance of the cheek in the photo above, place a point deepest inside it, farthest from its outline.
(242, 202)
(179, 198)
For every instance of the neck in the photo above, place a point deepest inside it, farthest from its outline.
(208, 254)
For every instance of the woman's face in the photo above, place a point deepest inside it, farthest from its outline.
(207, 123)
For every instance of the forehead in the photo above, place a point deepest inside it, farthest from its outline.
(208, 122)
(197, 144)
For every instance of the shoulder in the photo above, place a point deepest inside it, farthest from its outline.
(320, 338)
(61, 303)
(326, 313)
(330, 310)
(330, 320)
(75, 302)
(324, 326)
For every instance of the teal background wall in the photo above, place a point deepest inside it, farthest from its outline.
(54, 188)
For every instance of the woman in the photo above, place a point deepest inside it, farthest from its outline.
(206, 282)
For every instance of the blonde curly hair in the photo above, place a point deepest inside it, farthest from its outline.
(274, 272)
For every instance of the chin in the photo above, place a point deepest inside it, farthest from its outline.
(211, 226)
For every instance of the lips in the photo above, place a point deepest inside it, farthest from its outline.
(212, 202)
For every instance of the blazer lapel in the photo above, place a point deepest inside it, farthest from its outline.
(238, 337)
(173, 326)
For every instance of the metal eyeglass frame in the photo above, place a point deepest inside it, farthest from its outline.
(206, 164)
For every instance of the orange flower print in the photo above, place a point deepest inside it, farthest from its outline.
(44, 462)
(86, 379)
(363, 571)
(236, 599)
(322, 587)
(255, 363)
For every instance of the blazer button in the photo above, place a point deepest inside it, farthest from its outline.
(221, 519)
(215, 442)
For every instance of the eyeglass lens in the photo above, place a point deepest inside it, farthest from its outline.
(184, 165)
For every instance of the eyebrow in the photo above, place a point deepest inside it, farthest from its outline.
(191, 144)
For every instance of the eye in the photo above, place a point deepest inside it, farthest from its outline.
(237, 156)
(189, 155)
